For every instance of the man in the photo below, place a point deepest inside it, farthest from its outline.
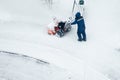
(81, 27)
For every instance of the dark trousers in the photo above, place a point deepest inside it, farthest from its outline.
(81, 35)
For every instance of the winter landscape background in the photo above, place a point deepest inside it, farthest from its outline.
(23, 30)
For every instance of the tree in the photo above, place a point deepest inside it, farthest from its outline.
(49, 3)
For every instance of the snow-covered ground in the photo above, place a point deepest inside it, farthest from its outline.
(20, 67)
(23, 30)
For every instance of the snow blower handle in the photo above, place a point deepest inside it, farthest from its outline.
(70, 19)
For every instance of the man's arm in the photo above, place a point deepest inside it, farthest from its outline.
(74, 22)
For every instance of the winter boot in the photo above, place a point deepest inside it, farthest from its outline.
(79, 39)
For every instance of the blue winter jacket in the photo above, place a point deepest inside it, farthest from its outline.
(79, 21)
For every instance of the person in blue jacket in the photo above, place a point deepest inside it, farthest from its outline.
(81, 27)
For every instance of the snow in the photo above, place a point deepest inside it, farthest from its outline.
(15, 66)
(23, 25)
